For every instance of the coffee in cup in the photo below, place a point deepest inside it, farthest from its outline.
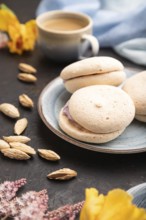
(62, 34)
(64, 24)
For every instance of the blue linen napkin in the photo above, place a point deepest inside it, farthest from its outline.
(118, 24)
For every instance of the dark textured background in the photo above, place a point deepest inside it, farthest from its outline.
(98, 170)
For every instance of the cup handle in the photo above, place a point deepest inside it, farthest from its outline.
(93, 42)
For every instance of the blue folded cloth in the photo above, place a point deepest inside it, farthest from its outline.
(118, 24)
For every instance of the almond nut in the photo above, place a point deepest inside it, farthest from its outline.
(20, 126)
(27, 68)
(48, 154)
(20, 138)
(26, 101)
(23, 147)
(15, 154)
(9, 110)
(25, 77)
(3, 144)
(62, 174)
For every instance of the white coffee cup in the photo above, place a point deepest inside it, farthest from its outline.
(63, 35)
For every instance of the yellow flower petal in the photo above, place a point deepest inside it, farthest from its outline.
(117, 205)
(92, 205)
(16, 42)
(30, 35)
(7, 18)
(22, 37)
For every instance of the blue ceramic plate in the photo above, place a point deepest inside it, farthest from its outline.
(53, 98)
(139, 195)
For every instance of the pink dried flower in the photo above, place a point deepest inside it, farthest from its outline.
(8, 189)
(30, 205)
(68, 212)
(7, 192)
(32, 212)
(4, 209)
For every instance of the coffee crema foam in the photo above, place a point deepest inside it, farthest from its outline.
(64, 24)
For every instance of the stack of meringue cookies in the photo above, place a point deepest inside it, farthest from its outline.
(99, 109)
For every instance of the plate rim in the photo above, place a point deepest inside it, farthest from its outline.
(136, 187)
(70, 139)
